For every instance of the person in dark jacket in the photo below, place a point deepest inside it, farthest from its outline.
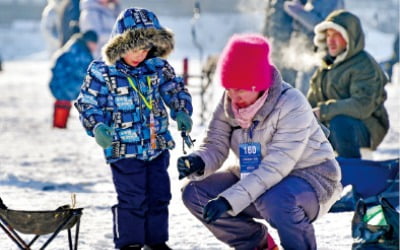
(69, 20)
(68, 73)
(278, 27)
(123, 104)
(388, 65)
(347, 91)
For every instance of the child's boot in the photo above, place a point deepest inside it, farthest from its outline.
(61, 113)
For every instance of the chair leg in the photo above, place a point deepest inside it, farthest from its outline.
(77, 233)
(33, 240)
(69, 239)
(57, 231)
(76, 236)
(13, 235)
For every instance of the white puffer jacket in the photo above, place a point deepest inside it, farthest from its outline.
(292, 143)
(99, 18)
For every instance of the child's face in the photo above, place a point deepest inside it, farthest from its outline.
(135, 57)
(92, 46)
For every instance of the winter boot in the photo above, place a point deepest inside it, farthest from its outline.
(61, 113)
(269, 244)
(132, 247)
(160, 246)
(346, 203)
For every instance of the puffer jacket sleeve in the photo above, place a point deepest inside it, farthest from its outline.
(69, 71)
(366, 88)
(62, 72)
(215, 146)
(92, 100)
(173, 90)
(293, 119)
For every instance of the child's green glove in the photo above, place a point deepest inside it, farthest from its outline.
(103, 135)
(184, 121)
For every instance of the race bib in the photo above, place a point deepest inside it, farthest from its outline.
(250, 157)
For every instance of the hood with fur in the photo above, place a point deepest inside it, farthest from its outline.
(349, 27)
(137, 29)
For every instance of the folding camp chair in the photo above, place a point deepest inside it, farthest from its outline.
(40, 223)
(370, 180)
(378, 229)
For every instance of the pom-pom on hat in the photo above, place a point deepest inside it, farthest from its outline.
(244, 63)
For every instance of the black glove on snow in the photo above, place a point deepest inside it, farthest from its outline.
(215, 208)
(190, 164)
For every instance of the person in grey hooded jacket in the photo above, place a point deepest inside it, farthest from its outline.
(100, 16)
(286, 172)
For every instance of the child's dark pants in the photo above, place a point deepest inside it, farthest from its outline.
(143, 189)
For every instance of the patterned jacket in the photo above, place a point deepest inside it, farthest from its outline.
(108, 97)
(121, 96)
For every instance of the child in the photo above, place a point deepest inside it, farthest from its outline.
(68, 72)
(122, 104)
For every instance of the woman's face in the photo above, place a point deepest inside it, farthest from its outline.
(135, 57)
(242, 98)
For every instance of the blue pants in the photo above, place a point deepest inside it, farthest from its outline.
(290, 206)
(144, 192)
(348, 135)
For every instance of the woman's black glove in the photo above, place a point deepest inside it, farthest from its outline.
(190, 164)
(215, 208)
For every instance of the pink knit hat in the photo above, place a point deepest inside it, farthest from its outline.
(244, 63)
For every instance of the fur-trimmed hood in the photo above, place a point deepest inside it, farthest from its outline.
(137, 29)
(349, 27)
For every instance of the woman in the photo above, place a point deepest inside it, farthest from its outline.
(287, 174)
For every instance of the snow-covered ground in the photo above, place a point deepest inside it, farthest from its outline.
(40, 167)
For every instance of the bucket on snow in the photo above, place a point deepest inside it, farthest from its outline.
(61, 113)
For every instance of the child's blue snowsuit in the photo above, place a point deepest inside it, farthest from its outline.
(124, 98)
